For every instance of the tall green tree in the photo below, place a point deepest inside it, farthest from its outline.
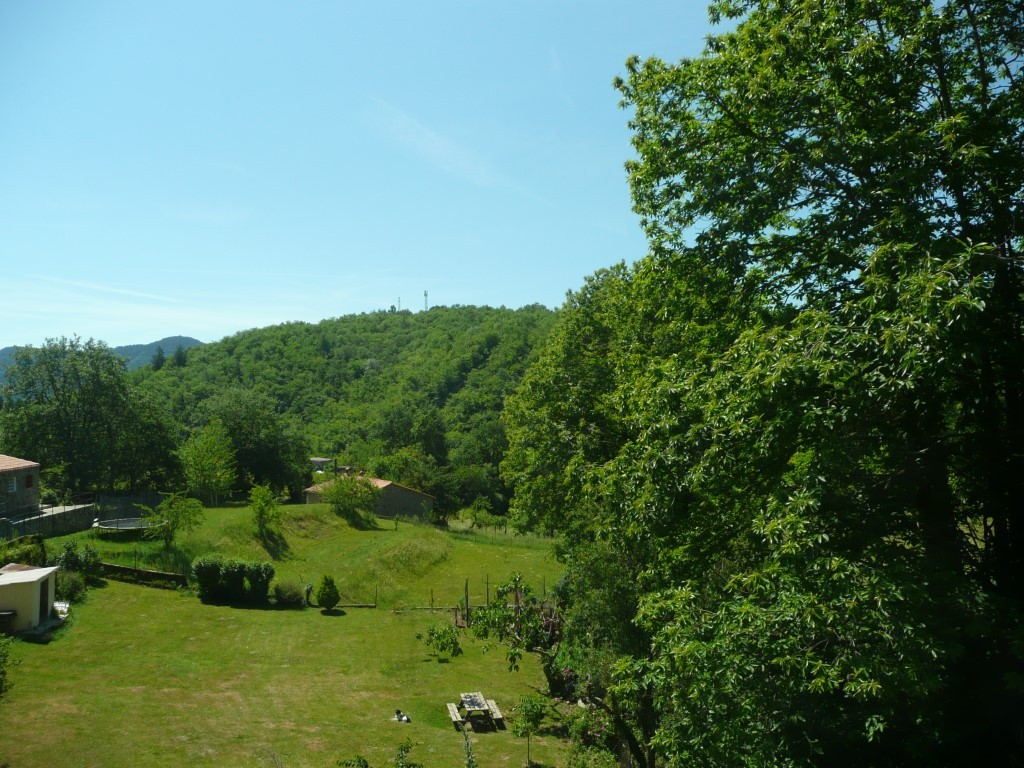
(208, 462)
(71, 407)
(796, 442)
(269, 447)
(266, 512)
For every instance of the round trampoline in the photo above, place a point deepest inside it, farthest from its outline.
(126, 526)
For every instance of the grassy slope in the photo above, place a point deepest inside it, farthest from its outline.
(148, 677)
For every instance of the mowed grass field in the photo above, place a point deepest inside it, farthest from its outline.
(149, 677)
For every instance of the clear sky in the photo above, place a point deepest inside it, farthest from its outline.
(200, 167)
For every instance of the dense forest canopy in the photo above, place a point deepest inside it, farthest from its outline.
(415, 398)
(784, 451)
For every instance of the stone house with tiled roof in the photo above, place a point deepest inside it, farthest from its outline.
(19, 485)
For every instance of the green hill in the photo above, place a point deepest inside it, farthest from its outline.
(135, 355)
(415, 398)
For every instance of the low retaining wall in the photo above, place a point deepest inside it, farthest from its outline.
(50, 523)
(142, 576)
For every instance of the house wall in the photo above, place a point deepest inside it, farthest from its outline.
(396, 501)
(25, 495)
(24, 598)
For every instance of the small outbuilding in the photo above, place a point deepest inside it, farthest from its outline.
(26, 596)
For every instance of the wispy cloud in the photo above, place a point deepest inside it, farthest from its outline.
(109, 289)
(435, 149)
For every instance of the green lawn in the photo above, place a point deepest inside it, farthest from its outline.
(143, 676)
(401, 567)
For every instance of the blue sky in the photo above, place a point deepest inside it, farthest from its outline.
(201, 168)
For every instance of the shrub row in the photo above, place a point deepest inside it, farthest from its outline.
(225, 580)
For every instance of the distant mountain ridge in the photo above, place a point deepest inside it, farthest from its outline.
(135, 355)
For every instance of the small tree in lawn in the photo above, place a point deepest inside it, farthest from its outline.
(175, 514)
(208, 461)
(327, 595)
(529, 715)
(444, 639)
(353, 499)
(266, 512)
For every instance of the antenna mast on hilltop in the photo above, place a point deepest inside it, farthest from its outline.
(424, 301)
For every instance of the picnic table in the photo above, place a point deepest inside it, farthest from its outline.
(474, 702)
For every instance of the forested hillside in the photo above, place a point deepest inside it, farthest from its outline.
(135, 355)
(415, 398)
(412, 397)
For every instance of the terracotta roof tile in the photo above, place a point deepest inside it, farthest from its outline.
(8, 463)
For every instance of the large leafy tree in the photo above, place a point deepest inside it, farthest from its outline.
(208, 461)
(70, 406)
(794, 429)
(269, 448)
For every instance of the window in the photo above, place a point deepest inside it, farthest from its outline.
(28, 481)
(12, 483)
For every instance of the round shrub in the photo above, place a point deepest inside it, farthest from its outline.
(70, 586)
(258, 577)
(206, 574)
(327, 595)
(288, 594)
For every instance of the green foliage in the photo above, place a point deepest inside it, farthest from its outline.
(70, 586)
(443, 639)
(516, 618)
(289, 594)
(208, 461)
(266, 512)
(27, 550)
(528, 718)
(352, 498)
(206, 575)
(227, 580)
(401, 759)
(269, 448)
(174, 515)
(327, 595)
(5, 664)
(84, 561)
(417, 394)
(69, 405)
(467, 746)
(782, 450)
(257, 581)
(232, 580)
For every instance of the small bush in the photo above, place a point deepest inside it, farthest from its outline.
(258, 577)
(232, 581)
(327, 595)
(444, 639)
(288, 594)
(86, 562)
(28, 550)
(70, 586)
(206, 573)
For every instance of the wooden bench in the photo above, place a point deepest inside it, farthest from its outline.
(495, 712)
(453, 713)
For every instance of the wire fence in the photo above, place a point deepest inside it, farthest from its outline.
(49, 519)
